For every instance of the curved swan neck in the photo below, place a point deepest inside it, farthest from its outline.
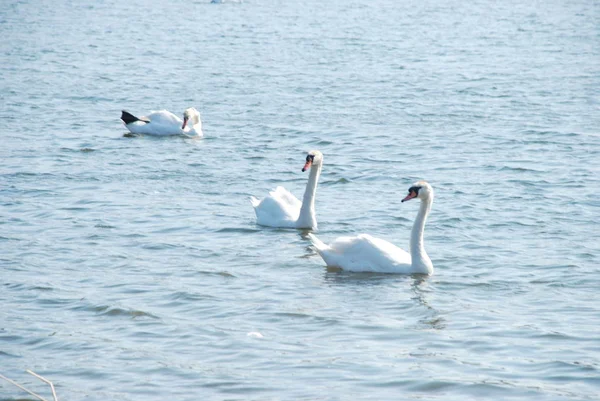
(417, 247)
(307, 216)
(196, 122)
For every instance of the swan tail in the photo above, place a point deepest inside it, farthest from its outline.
(255, 202)
(317, 243)
(129, 118)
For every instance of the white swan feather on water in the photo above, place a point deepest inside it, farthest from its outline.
(282, 209)
(164, 123)
(365, 253)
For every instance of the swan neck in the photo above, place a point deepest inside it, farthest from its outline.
(417, 247)
(196, 123)
(307, 211)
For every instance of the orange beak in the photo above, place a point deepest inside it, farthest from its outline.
(410, 196)
(306, 166)
(185, 120)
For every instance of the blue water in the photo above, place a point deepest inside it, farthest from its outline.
(133, 269)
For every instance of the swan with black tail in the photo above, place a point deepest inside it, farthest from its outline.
(164, 123)
(282, 209)
(365, 253)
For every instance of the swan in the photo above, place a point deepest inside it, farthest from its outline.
(282, 209)
(365, 253)
(164, 123)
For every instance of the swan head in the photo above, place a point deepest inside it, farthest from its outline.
(190, 114)
(421, 190)
(313, 158)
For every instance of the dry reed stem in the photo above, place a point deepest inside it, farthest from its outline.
(29, 391)
(45, 381)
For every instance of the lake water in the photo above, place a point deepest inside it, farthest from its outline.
(132, 268)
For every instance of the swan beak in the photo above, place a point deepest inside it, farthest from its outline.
(410, 196)
(306, 166)
(185, 120)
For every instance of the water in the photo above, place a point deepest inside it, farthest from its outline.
(132, 268)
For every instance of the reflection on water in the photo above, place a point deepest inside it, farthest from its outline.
(431, 317)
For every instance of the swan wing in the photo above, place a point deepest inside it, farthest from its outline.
(364, 253)
(164, 117)
(286, 197)
(158, 123)
(278, 209)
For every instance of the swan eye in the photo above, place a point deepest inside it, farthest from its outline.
(310, 158)
(414, 189)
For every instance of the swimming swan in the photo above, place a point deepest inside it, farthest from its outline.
(365, 253)
(164, 123)
(282, 209)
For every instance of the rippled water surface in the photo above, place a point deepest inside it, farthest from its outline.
(132, 268)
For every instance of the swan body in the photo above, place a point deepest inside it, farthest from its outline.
(164, 123)
(282, 209)
(365, 253)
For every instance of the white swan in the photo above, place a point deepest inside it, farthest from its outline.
(164, 123)
(368, 254)
(282, 209)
